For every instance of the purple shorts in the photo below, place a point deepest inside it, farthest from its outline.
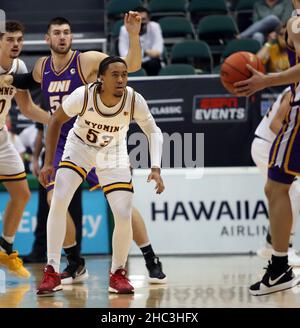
(91, 177)
(284, 159)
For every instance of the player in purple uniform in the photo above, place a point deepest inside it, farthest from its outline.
(59, 75)
(284, 163)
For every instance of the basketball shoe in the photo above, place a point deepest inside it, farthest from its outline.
(74, 273)
(14, 264)
(156, 275)
(50, 283)
(119, 283)
(273, 281)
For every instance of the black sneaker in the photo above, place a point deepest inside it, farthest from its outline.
(74, 273)
(156, 275)
(273, 282)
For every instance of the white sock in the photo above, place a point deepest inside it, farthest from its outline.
(279, 254)
(70, 246)
(10, 240)
(145, 244)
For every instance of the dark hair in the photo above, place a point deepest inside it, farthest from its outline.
(58, 21)
(103, 66)
(107, 61)
(13, 26)
(142, 10)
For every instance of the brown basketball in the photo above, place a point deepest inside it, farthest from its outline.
(234, 68)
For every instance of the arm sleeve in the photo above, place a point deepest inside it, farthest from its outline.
(73, 105)
(123, 42)
(146, 122)
(25, 81)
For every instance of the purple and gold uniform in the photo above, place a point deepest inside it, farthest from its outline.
(56, 87)
(284, 160)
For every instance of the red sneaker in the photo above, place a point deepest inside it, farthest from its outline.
(51, 282)
(119, 283)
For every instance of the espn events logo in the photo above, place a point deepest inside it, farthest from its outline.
(219, 109)
(2, 21)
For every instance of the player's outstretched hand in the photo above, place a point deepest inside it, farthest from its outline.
(46, 173)
(155, 175)
(255, 83)
(132, 22)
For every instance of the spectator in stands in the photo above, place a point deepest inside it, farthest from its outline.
(268, 15)
(152, 43)
(274, 52)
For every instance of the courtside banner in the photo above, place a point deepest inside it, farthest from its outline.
(96, 239)
(224, 211)
(200, 104)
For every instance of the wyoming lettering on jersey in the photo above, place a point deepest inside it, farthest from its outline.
(56, 86)
(8, 92)
(96, 127)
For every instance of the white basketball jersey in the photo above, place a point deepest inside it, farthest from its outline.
(263, 130)
(7, 92)
(100, 126)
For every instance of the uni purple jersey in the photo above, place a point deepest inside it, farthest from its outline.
(56, 86)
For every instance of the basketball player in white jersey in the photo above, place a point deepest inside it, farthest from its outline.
(59, 35)
(284, 163)
(12, 171)
(265, 134)
(98, 139)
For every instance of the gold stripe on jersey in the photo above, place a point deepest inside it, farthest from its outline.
(18, 64)
(97, 186)
(85, 100)
(13, 177)
(65, 164)
(126, 186)
(109, 115)
(64, 68)
(80, 70)
(42, 70)
(132, 106)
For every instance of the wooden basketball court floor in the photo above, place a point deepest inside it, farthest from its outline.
(193, 282)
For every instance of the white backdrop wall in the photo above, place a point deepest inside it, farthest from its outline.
(224, 211)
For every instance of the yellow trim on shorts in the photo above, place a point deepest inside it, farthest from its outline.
(13, 177)
(97, 186)
(82, 172)
(126, 186)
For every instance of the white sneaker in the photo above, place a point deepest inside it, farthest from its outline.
(265, 252)
(294, 259)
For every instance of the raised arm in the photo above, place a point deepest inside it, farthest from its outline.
(90, 60)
